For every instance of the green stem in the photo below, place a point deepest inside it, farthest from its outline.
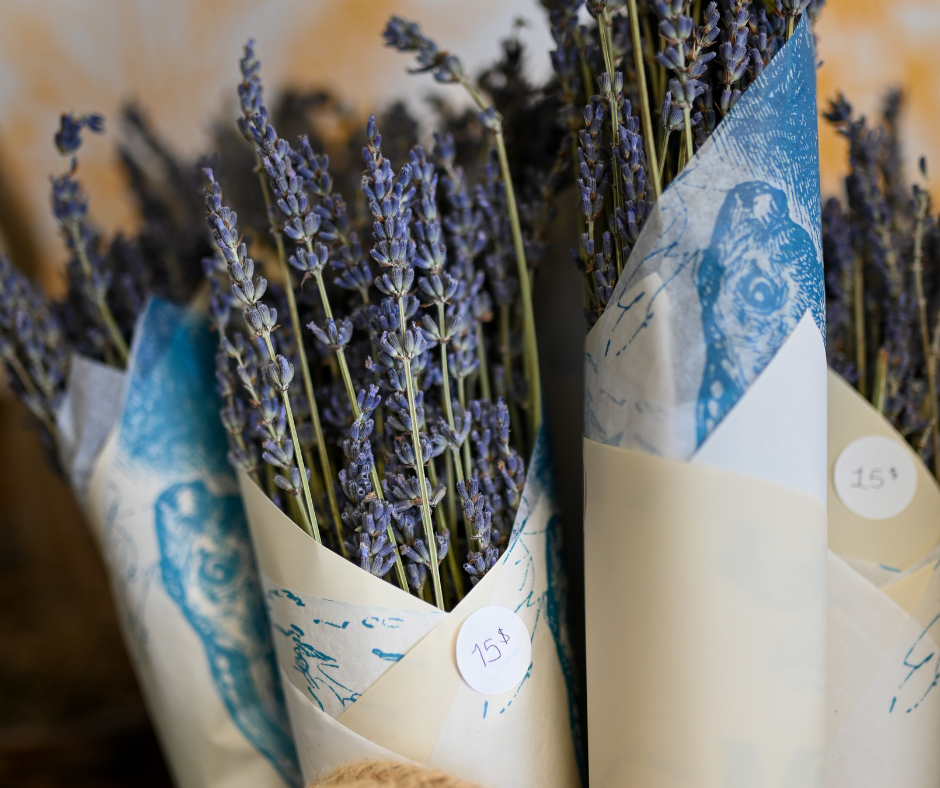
(581, 223)
(466, 451)
(880, 388)
(645, 115)
(442, 526)
(662, 158)
(505, 351)
(351, 394)
(607, 50)
(861, 351)
(325, 470)
(482, 368)
(589, 266)
(451, 498)
(425, 506)
(790, 25)
(33, 393)
(106, 317)
(689, 151)
(310, 517)
(453, 455)
(525, 290)
(445, 386)
(239, 440)
(272, 488)
(656, 71)
(528, 315)
(586, 77)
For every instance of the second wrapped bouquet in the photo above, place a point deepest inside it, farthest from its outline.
(705, 464)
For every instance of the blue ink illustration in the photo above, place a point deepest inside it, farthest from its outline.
(170, 435)
(923, 672)
(331, 624)
(171, 408)
(755, 281)
(287, 595)
(209, 572)
(316, 667)
(727, 264)
(386, 656)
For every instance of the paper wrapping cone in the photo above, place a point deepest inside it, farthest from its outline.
(883, 722)
(705, 466)
(705, 598)
(370, 672)
(147, 454)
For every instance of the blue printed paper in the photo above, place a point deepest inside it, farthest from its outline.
(174, 535)
(726, 266)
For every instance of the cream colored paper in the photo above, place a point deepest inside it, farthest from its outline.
(883, 722)
(419, 709)
(163, 507)
(704, 614)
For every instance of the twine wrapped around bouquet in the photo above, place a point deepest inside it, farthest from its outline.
(376, 774)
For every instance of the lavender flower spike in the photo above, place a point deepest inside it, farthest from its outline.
(407, 37)
(70, 208)
(262, 321)
(389, 198)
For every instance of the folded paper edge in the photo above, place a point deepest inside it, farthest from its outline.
(309, 567)
(368, 749)
(271, 530)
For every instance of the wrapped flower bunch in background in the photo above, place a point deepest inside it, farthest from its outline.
(881, 250)
(115, 375)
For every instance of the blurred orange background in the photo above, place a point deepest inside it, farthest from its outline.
(868, 47)
(178, 59)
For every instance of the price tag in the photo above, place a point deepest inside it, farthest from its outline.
(493, 650)
(875, 478)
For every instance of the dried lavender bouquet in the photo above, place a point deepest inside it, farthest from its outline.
(882, 250)
(381, 406)
(695, 160)
(117, 377)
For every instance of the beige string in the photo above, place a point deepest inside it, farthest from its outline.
(388, 774)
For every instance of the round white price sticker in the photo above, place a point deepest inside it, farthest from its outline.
(875, 478)
(493, 650)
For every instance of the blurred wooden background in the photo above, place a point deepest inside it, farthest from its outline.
(68, 700)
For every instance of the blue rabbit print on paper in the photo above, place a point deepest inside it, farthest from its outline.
(727, 264)
(208, 570)
(755, 281)
(172, 456)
